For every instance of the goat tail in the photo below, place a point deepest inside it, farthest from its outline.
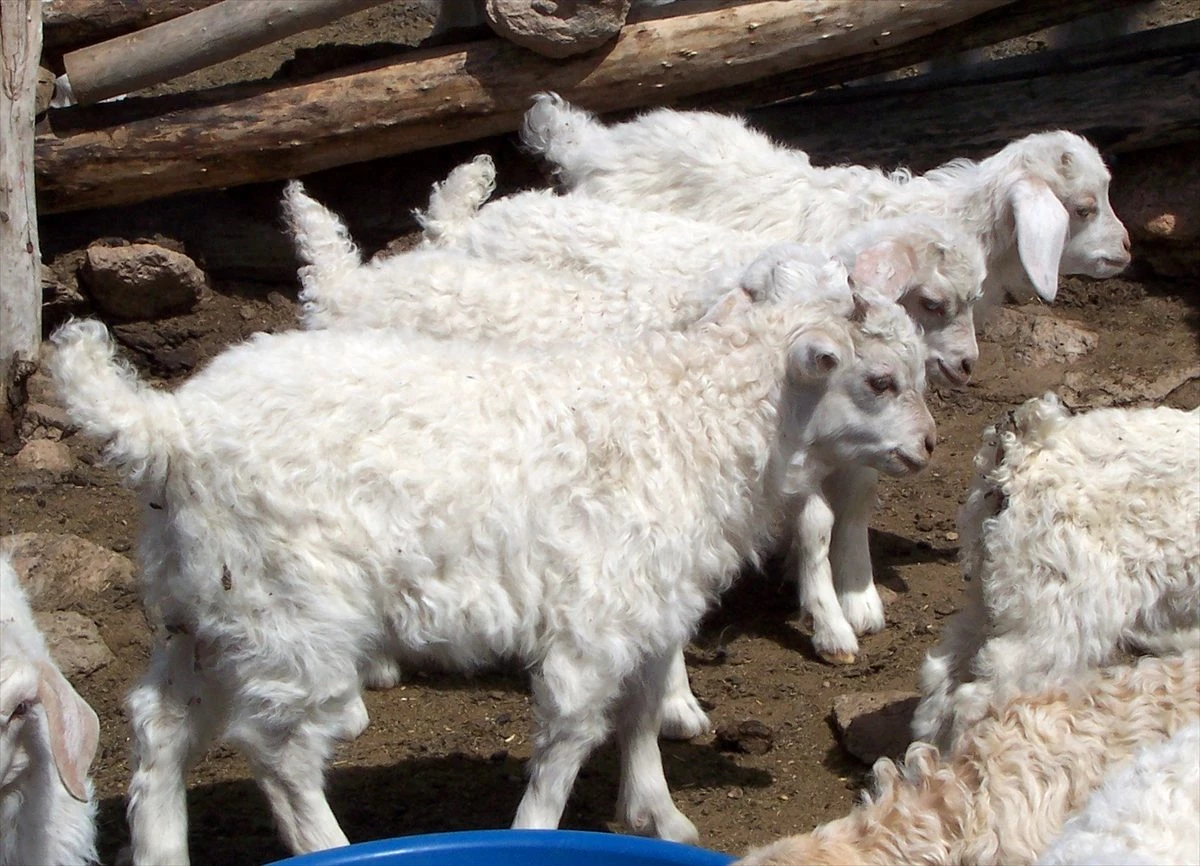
(568, 137)
(105, 398)
(322, 240)
(455, 200)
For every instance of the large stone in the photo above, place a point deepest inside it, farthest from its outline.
(875, 725)
(57, 568)
(1037, 339)
(45, 455)
(557, 28)
(74, 641)
(141, 281)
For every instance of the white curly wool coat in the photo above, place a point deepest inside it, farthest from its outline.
(1147, 812)
(1006, 789)
(1039, 206)
(1079, 538)
(316, 500)
(48, 738)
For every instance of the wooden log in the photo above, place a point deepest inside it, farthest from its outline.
(194, 41)
(69, 24)
(20, 260)
(437, 96)
(1133, 92)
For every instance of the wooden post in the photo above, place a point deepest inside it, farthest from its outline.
(20, 260)
(193, 41)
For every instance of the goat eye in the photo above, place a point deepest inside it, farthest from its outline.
(20, 710)
(1084, 211)
(881, 384)
(934, 306)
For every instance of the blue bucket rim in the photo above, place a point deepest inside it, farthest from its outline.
(514, 841)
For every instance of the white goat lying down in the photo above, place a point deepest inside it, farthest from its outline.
(1147, 812)
(1007, 788)
(1039, 206)
(48, 738)
(1079, 537)
(316, 500)
(454, 294)
(927, 265)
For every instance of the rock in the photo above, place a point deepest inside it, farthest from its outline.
(45, 455)
(1156, 193)
(56, 568)
(873, 725)
(1083, 388)
(74, 641)
(557, 28)
(141, 281)
(751, 737)
(43, 421)
(1038, 339)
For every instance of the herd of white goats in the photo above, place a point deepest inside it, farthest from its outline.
(556, 430)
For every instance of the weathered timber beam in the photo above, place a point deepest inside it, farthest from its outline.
(70, 24)
(438, 96)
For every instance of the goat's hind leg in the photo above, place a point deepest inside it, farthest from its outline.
(175, 714)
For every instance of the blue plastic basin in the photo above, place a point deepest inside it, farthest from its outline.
(513, 848)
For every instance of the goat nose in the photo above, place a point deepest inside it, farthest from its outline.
(930, 443)
(1125, 242)
(967, 366)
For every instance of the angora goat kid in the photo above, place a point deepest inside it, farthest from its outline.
(316, 500)
(1079, 538)
(1147, 812)
(452, 294)
(1009, 785)
(925, 264)
(1039, 206)
(48, 737)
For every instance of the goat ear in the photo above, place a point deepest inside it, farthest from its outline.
(1042, 224)
(73, 727)
(728, 305)
(814, 355)
(886, 267)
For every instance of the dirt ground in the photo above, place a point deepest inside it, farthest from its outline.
(446, 753)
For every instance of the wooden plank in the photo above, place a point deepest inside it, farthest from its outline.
(70, 24)
(194, 41)
(20, 260)
(1134, 92)
(438, 96)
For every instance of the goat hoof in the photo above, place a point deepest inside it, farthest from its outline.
(838, 658)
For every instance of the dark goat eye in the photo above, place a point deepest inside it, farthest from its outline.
(1084, 212)
(881, 384)
(20, 710)
(934, 306)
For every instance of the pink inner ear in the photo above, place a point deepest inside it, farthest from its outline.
(886, 268)
(73, 728)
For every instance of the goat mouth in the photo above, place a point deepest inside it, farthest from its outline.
(957, 380)
(910, 464)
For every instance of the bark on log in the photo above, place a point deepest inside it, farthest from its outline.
(70, 24)
(1134, 92)
(193, 41)
(20, 261)
(438, 96)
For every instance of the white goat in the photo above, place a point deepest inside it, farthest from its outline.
(48, 737)
(1147, 812)
(452, 294)
(318, 499)
(1039, 206)
(1079, 537)
(455, 294)
(1007, 788)
(925, 264)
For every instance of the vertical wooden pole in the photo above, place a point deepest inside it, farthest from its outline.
(20, 259)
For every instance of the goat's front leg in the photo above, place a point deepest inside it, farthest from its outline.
(833, 638)
(682, 716)
(851, 493)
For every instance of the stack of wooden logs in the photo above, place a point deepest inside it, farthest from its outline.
(727, 55)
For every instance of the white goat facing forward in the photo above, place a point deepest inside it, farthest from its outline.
(315, 500)
(48, 737)
(1008, 786)
(1039, 206)
(1079, 538)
